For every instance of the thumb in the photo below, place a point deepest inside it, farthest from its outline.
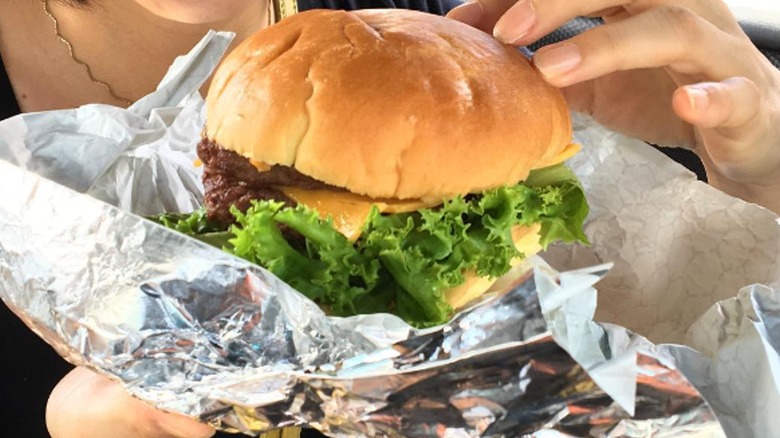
(737, 134)
(729, 104)
(86, 405)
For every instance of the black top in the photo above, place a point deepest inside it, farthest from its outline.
(29, 368)
(8, 105)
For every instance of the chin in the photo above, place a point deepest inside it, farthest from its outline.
(197, 11)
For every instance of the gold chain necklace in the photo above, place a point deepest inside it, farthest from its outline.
(277, 9)
(83, 64)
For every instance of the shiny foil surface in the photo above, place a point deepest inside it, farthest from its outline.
(193, 330)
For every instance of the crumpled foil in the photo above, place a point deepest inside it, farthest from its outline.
(682, 251)
(193, 330)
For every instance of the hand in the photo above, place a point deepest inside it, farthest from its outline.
(86, 405)
(674, 73)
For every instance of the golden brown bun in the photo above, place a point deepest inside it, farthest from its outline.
(527, 242)
(387, 103)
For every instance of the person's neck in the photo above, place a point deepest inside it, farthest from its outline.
(130, 48)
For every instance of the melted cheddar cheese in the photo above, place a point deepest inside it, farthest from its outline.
(260, 165)
(526, 241)
(348, 210)
(567, 152)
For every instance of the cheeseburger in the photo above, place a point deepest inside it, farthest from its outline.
(385, 160)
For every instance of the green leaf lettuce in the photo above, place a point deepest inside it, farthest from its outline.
(402, 262)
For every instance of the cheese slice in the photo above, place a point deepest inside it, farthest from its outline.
(567, 152)
(349, 211)
(526, 241)
(260, 165)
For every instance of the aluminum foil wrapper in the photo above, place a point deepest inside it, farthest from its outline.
(695, 271)
(193, 330)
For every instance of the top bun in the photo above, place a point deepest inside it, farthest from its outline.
(387, 103)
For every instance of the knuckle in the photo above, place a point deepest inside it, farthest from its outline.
(750, 89)
(608, 41)
(685, 24)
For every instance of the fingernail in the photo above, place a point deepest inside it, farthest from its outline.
(184, 427)
(470, 13)
(698, 97)
(516, 22)
(558, 60)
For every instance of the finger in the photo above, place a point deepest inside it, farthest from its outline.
(86, 405)
(470, 13)
(738, 133)
(731, 103)
(483, 14)
(610, 14)
(528, 20)
(670, 37)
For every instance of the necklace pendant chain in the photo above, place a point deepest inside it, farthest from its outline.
(283, 9)
(278, 10)
(84, 65)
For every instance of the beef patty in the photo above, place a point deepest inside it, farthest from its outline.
(230, 179)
